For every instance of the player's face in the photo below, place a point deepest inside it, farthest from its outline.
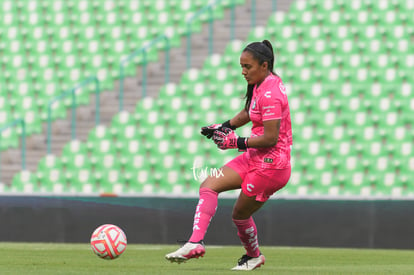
(253, 72)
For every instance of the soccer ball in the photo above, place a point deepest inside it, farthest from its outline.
(108, 241)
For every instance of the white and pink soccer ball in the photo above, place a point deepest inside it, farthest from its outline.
(108, 241)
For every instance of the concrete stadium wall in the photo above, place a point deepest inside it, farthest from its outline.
(321, 223)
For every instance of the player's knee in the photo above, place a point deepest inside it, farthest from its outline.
(206, 184)
(210, 183)
(240, 214)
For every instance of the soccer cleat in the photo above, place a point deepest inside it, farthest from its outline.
(249, 263)
(188, 251)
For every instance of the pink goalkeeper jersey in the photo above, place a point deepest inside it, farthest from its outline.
(270, 102)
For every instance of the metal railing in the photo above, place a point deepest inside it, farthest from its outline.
(209, 8)
(189, 22)
(143, 51)
(23, 148)
(254, 11)
(63, 95)
(123, 62)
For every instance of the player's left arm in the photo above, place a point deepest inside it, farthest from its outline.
(270, 136)
(240, 119)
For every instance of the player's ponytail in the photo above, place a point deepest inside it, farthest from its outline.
(262, 52)
(271, 61)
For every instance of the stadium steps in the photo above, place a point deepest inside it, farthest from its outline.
(36, 144)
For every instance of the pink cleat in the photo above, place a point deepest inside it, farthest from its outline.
(249, 263)
(187, 251)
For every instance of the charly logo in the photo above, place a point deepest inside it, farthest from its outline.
(200, 172)
(250, 187)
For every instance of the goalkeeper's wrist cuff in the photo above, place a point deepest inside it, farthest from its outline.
(228, 125)
(242, 143)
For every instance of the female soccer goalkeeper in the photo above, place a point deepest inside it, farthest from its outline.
(263, 169)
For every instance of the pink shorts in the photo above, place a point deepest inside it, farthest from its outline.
(257, 181)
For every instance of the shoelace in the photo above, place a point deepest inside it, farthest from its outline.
(244, 259)
(182, 242)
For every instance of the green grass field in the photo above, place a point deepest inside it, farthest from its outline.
(44, 258)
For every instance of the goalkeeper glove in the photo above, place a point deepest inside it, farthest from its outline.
(226, 138)
(208, 131)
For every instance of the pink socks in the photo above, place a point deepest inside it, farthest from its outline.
(247, 231)
(206, 208)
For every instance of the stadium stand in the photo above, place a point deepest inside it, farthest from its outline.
(45, 49)
(80, 44)
(347, 65)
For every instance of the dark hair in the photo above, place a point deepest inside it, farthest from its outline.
(262, 52)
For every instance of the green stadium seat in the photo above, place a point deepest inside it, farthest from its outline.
(277, 19)
(324, 185)
(100, 132)
(53, 181)
(72, 153)
(81, 5)
(81, 181)
(147, 104)
(398, 134)
(404, 149)
(73, 147)
(141, 181)
(48, 162)
(76, 162)
(23, 182)
(328, 6)
(257, 34)
(298, 7)
(125, 135)
(386, 184)
(102, 147)
(232, 50)
(9, 136)
(111, 181)
(120, 121)
(135, 162)
(168, 91)
(356, 184)
(104, 161)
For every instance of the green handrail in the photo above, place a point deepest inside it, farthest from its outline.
(74, 105)
(233, 20)
(209, 7)
(253, 15)
(23, 149)
(253, 20)
(97, 95)
(143, 51)
(274, 5)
